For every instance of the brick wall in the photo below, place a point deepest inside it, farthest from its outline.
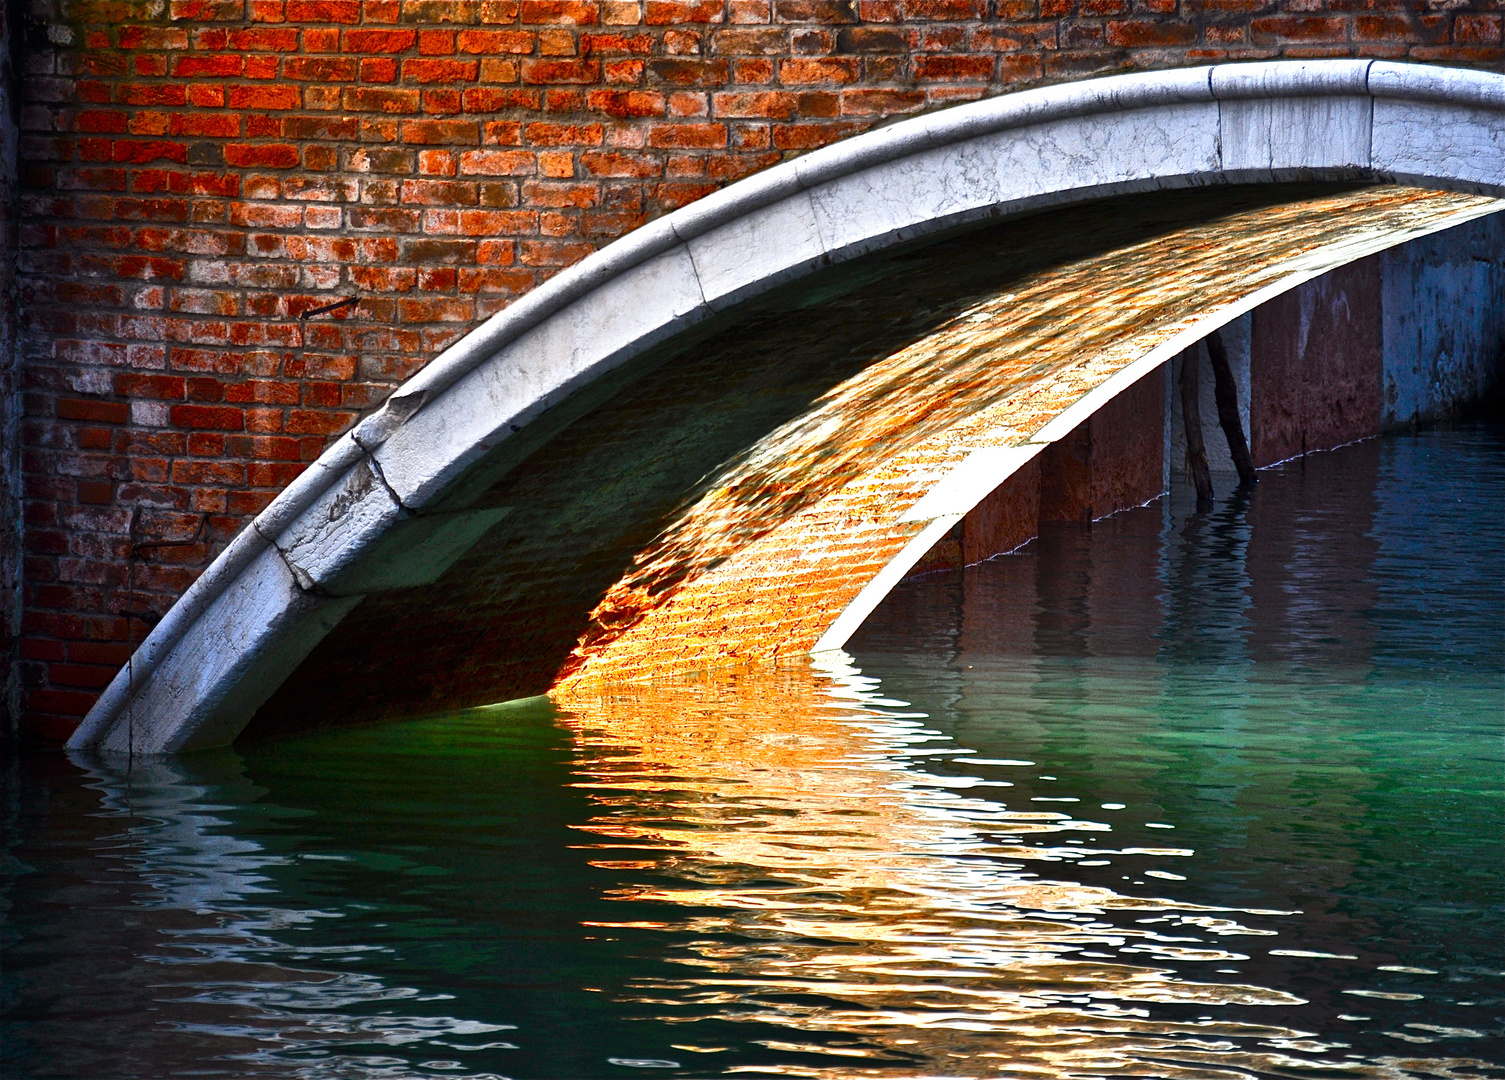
(197, 175)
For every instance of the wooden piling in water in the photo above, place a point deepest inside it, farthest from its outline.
(1225, 391)
(1191, 417)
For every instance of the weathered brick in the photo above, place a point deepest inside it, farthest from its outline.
(571, 12)
(699, 136)
(322, 11)
(203, 416)
(427, 70)
(267, 155)
(680, 12)
(100, 412)
(829, 69)
(202, 67)
(379, 41)
(561, 71)
(770, 104)
(935, 68)
(1478, 29)
(1287, 29)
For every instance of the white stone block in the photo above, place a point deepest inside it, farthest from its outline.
(1270, 79)
(337, 529)
(1302, 135)
(1463, 87)
(753, 253)
(870, 209)
(1016, 170)
(1071, 159)
(1433, 144)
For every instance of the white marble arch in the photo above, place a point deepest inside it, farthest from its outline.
(354, 522)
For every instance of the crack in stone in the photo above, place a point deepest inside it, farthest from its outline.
(301, 577)
(381, 476)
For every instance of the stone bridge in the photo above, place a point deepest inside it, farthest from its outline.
(234, 227)
(724, 437)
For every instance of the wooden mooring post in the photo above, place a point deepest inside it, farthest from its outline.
(1191, 422)
(1226, 393)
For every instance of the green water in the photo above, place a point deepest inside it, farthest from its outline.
(1179, 796)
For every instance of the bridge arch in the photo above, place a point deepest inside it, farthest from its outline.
(1174, 201)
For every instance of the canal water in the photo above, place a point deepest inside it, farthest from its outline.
(1177, 796)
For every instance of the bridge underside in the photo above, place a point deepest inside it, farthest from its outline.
(729, 496)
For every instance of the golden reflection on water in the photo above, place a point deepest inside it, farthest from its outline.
(892, 919)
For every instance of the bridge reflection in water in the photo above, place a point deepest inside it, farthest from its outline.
(839, 886)
(899, 875)
(1223, 809)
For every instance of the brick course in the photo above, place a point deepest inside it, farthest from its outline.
(198, 174)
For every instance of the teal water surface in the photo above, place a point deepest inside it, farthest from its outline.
(1177, 795)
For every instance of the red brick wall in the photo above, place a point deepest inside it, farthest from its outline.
(198, 173)
(1315, 361)
(1007, 517)
(1112, 461)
